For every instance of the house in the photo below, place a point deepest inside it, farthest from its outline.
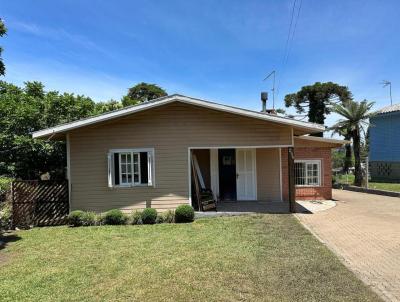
(141, 156)
(384, 141)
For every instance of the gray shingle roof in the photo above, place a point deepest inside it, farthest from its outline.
(388, 109)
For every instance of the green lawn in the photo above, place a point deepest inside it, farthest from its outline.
(245, 258)
(343, 179)
(385, 186)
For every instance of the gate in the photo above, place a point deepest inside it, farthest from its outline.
(39, 203)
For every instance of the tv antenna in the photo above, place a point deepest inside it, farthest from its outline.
(272, 73)
(385, 84)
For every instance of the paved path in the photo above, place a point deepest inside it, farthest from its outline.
(364, 230)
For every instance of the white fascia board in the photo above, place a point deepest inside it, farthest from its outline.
(156, 103)
(323, 139)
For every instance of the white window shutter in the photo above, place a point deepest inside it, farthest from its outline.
(150, 168)
(110, 169)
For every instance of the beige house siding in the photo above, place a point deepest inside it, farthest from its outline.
(170, 130)
(268, 174)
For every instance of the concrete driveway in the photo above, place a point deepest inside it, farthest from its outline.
(364, 231)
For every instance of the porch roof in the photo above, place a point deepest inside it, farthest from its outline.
(310, 141)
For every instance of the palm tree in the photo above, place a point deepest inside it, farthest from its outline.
(348, 153)
(356, 115)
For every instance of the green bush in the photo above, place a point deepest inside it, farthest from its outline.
(114, 217)
(5, 184)
(5, 216)
(88, 219)
(75, 218)
(136, 217)
(160, 219)
(149, 216)
(184, 213)
(166, 217)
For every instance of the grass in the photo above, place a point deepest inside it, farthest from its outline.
(343, 179)
(385, 186)
(243, 258)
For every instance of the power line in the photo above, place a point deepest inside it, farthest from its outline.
(289, 40)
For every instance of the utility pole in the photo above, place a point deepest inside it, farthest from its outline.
(273, 86)
(388, 83)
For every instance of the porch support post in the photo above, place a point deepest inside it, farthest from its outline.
(292, 188)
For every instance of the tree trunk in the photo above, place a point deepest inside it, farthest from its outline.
(357, 157)
(347, 160)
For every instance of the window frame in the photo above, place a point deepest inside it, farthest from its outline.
(319, 167)
(132, 151)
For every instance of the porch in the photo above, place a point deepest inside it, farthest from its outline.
(233, 208)
(240, 179)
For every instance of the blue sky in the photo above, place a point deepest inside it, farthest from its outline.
(217, 50)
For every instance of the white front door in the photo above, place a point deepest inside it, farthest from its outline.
(246, 174)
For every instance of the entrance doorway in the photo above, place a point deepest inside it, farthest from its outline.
(227, 174)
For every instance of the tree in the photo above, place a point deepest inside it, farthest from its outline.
(348, 161)
(318, 100)
(103, 107)
(142, 92)
(27, 109)
(356, 115)
(3, 31)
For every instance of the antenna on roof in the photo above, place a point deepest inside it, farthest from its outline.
(385, 84)
(273, 87)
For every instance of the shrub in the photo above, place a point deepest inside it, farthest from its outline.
(184, 213)
(136, 217)
(169, 216)
(149, 216)
(5, 216)
(88, 219)
(5, 184)
(160, 219)
(166, 217)
(75, 218)
(114, 217)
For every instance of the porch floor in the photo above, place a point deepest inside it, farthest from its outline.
(242, 207)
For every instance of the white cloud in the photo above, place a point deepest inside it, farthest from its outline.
(58, 34)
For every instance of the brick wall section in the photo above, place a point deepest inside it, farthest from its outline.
(309, 193)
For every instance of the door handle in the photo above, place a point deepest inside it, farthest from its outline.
(237, 175)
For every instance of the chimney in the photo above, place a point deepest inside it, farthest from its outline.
(264, 98)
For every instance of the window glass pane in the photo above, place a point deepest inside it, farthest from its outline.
(299, 169)
(136, 168)
(126, 168)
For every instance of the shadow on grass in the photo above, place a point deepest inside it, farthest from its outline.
(7, 238)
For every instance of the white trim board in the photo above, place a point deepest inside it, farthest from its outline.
(310, 127)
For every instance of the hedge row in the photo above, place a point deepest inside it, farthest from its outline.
(182, 214)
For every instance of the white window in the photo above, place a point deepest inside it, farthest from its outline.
(307, 172)
(130, 167)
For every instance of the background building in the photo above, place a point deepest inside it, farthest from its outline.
(385, 144)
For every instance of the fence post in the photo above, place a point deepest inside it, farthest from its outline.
(12, 204)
